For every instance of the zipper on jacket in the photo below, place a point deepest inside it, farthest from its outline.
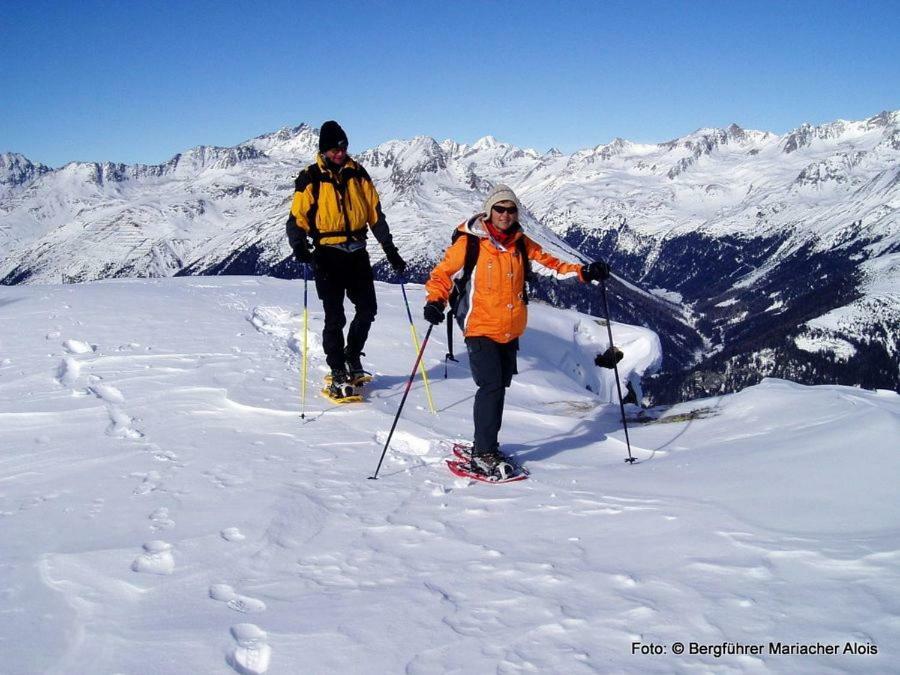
(340, 193)
(345, 189)
(347, 196)
(511, 277)
(515, 261)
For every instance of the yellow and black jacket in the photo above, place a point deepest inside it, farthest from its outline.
(334, 207)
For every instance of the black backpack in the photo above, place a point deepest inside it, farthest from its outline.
(461, 284)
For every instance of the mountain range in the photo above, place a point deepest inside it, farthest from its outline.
(750, 253)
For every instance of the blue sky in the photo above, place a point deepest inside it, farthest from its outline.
(141, 81)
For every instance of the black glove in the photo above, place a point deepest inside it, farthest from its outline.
(596, 271)
(302, 254)
(393, 257)
(434, 312)
(609, 358)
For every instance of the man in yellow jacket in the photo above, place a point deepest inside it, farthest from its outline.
(334, 205)
(491, 309)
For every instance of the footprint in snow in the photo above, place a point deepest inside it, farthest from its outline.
(96, 507)
(68, 371)
(106, 392)
(78, 347)
(148, 484)
(120, 424)
(156, 559)
(160, 519)
(625, 580)
(273, 320)
(222, 478)
(161, 455)
(252, 654)
(405, 445)
(232, 534)
(239, 603)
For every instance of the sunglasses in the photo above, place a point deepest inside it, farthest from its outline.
(505, 209)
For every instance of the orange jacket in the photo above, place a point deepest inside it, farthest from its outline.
(493, 305)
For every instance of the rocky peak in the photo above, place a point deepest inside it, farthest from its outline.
(16, 169)
(203, 157)
(806, 133)
(616, 147)
(301, 141)
(487, 143)
(736, 133)
(886, 118)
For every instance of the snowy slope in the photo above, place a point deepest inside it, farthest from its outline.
(830, 183)
(88, 221)
(762, 238)
(165, 509)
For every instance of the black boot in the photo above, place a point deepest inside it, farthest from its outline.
(340, 386)
(354, 365)
(492, 463)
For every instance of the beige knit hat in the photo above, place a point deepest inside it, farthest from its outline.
(500, 193)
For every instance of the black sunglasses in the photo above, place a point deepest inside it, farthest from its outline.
(505, 209)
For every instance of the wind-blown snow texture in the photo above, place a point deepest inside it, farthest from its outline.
(766, 254)
(164, 509)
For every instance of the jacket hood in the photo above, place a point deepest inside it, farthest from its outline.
(475, 225)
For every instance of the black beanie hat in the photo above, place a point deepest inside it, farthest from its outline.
(332, 136)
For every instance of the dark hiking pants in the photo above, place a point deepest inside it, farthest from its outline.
(493, 364)
(340, 273)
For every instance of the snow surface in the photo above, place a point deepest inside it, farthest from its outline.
(164, 508)
(840, 348)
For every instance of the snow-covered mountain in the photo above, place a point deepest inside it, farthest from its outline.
(164, 509)
(750, 253)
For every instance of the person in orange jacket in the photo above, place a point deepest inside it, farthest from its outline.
(492, 308)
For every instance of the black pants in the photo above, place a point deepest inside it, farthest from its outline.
(493, 364)
(338, 273)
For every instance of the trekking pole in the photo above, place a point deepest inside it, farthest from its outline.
(305, 341)
(449, 355)
(629, 459)
(415, 337)
(409, 382)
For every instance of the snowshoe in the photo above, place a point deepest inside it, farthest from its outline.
(491, 466)
(340, 389)
(357, 380)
